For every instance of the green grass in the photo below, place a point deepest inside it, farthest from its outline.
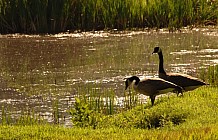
(61, 15)
(57, 132)
(195, 109)
(192, 116)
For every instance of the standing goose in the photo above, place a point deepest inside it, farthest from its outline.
(185, 81)
(152, 86)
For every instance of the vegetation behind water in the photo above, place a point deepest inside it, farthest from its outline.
(52, 16)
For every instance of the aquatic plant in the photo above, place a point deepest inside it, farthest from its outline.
(210, 74)
(4, 117)
(26, 117)
(83, 116)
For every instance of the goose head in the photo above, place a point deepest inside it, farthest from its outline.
(129, 81)
(157, 50)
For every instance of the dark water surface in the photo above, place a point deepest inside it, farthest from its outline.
(38, 70)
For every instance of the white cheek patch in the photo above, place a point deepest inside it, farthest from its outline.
(128, 83)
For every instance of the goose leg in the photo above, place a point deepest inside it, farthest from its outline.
(179, 91)
(152, 97)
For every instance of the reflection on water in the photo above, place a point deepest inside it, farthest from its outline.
(38, 70)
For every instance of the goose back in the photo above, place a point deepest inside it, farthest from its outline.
(187, 82)
(155, 86)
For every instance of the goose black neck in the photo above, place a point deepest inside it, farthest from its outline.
(161, 68)
(136, 79)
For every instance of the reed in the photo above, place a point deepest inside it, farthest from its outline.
(26, 117)
(48, 16)
(210, 75)
(3, 115)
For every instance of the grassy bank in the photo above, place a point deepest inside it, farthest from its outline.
(55, 132)
(193, 116)
(48, 16)
(196, 109)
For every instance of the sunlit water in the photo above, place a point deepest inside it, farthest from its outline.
(38, 70)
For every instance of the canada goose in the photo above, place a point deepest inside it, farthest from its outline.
(152, 86)
(185, 81)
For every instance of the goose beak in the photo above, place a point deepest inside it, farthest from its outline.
(126, 86)
(154, 52)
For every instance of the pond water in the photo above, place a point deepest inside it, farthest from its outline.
(37, 70)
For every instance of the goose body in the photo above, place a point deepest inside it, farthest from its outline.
(152, 86)
(187, 82)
